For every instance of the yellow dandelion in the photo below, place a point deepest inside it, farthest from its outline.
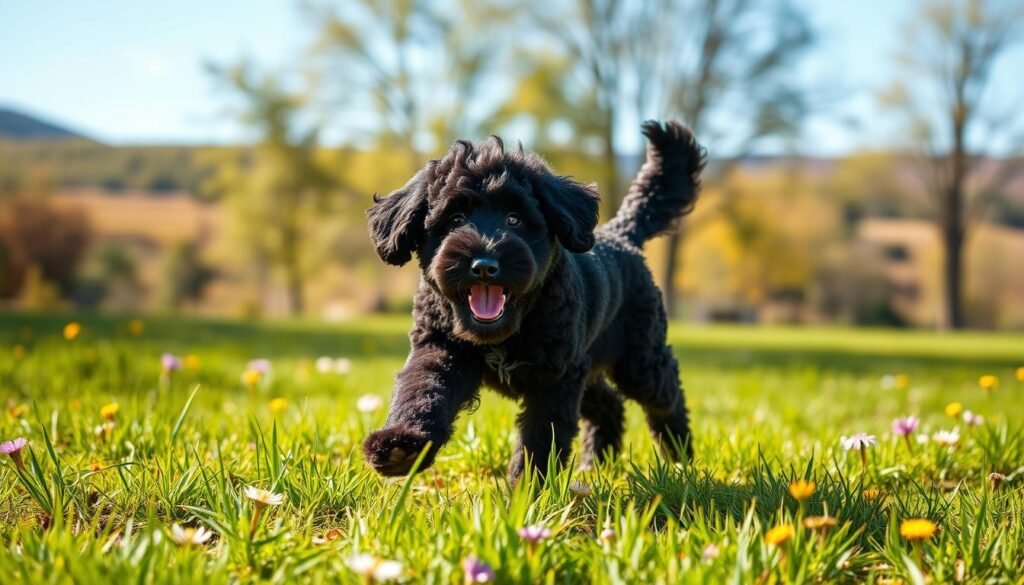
(953, 409)
(819, 522)
(109, 411)
(779, 534)
(18, 411)
(18, 351)
(192, 362)
(988, 382)
(918, 529)
(1020, 374)
(901, 381)
(278, 405)
(802, 489)
(136, 327)
(71, 330)
(252, 377)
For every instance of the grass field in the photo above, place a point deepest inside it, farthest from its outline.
(104, 486)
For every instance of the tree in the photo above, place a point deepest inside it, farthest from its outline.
(276, 190)
(419, 72)
(110, 278)
(37, 236)
(724, 66)
(606, 39)
(952, 49)
(764, 243)
(185, 275)
(410, 76)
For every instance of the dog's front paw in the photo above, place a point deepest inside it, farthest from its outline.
(393, 450)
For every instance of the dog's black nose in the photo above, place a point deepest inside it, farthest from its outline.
(484, 268)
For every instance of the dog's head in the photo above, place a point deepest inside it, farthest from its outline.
(486, 225)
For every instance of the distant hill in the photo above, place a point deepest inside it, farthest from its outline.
(16, 125)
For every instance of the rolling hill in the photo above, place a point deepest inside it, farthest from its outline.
(15, 125)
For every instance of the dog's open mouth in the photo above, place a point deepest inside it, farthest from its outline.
(487, 302)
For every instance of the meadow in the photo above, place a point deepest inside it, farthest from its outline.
(236, 458)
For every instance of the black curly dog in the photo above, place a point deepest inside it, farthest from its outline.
(521, 293)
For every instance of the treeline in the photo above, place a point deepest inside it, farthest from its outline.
(80, 163)
(188, 169)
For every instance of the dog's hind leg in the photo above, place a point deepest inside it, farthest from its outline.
(650, 375)
(603, 418)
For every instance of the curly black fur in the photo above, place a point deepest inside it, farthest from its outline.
(667, 186)
(579, 307)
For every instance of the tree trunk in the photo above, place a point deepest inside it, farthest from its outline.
(292, 271)
(296, 303)
(953, 220)
(953, 276)
(673, 260)
(610, 197)
(953, 242)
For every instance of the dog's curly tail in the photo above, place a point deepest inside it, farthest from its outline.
(667, 186)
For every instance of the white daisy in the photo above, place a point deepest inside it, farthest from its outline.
(368, 403)
(374, 568)
(947, 438)
(186, 536)
(387, 571)
(362, 564)
(263, 497)
(859, 441)
(342, 366)
(324, 364)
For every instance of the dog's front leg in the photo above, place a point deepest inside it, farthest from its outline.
(549, 420)
(439, 379)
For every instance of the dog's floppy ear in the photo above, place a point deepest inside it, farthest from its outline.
(396, 221)
(570, 208)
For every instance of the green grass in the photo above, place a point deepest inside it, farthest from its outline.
(96, 504)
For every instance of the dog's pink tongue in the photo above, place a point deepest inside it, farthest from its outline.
(486, 301)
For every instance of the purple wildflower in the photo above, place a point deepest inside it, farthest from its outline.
(477, 571)
(261, 365)
(973, 419)
(13, 449)
(905, 426)
(534, 534)
(170, 362)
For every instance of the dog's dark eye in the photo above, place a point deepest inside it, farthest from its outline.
(458, 219)
(513, 220)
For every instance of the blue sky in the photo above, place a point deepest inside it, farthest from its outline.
(132, 72)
